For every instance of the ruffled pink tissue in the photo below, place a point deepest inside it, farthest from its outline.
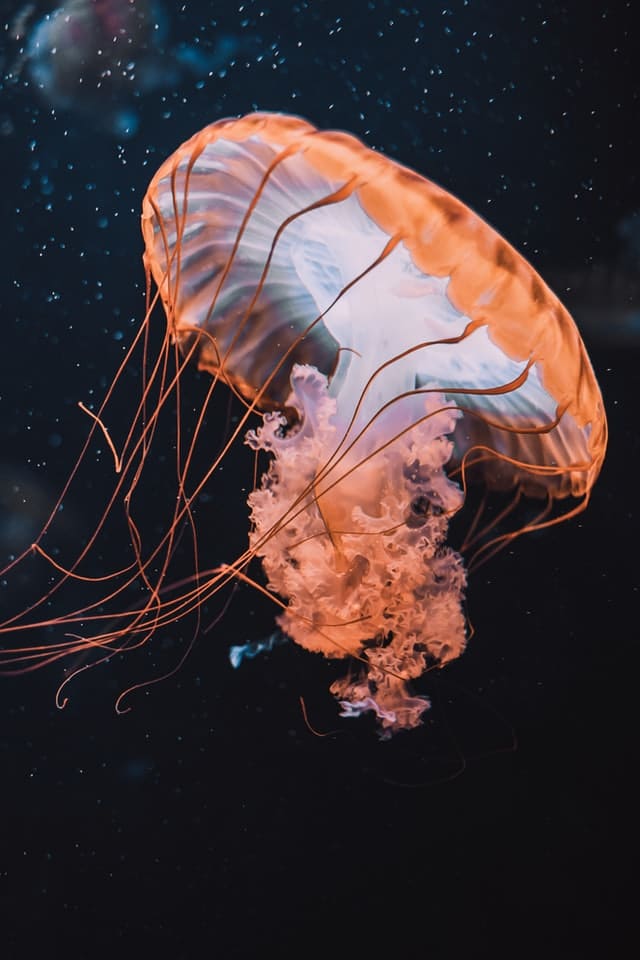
(350, 523)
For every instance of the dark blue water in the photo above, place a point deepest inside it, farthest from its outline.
(209, 821)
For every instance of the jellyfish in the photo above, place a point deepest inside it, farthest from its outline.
(391, 351)
(96, 58)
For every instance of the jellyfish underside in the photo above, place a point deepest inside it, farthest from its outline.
(393, 348)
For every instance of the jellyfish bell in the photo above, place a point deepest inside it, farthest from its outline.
(283, 244)
(395, 348)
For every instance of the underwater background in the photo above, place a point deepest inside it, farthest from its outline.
(209, 820)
